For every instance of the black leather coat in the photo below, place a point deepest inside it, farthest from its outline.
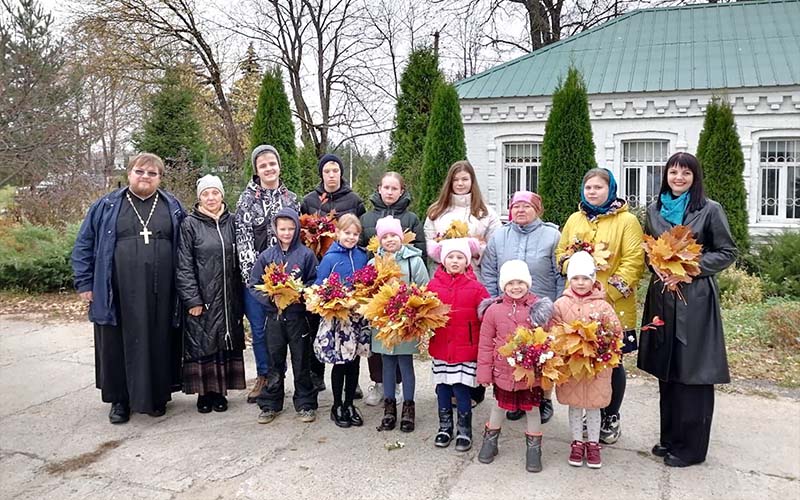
(208, 275)
(690, 347)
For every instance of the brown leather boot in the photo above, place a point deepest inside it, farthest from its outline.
(407, 417)
(261, 381)
(389, 415)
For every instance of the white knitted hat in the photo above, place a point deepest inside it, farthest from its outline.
(209, 181)
(581, 264)
(514, 270)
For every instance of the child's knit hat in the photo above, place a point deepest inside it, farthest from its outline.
(581, 264)
(514, 270)
(388, 225)
(467, 246)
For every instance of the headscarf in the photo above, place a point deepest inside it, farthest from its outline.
(593, 211)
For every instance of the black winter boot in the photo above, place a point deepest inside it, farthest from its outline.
(389, 415)
(533, 453)
(464, 431)
(489, 447)
(407, 417)
(445, 433)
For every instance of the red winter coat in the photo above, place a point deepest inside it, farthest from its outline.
(457, 342)
(499, 323)
(596, 392)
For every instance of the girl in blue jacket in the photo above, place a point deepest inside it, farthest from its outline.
(337, 342)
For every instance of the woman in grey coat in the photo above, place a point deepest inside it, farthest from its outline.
(529, 239)
(687, 354)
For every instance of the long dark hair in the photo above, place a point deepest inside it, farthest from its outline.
(697, 195)
(477, 205)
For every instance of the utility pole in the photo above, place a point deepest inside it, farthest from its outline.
(352, 145)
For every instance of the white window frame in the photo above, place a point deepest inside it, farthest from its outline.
(782, 166)
(522, 166)
(642, 166)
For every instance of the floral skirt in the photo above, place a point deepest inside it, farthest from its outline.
(218, 373)
(524, 399)
(338, 341)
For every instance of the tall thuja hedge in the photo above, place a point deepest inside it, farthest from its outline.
(444, 145)
(567, 149)
(273, 125)
(720, 153)
(412, 114)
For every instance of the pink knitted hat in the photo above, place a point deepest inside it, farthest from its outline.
(467, 246)
(388, 225)
(527, 197)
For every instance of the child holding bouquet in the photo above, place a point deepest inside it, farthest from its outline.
(340, 341)
(454, 347)
(287, 327)
(518, 306)
(390, 235)
(584, 300)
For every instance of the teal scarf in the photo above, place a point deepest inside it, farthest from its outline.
(672, 209)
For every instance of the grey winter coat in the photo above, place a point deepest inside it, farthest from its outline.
(690, 347)
(534, 243)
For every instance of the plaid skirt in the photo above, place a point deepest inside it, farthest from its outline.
(218, 373)
(524, 399)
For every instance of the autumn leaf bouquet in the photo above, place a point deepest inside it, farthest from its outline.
(589, 347)
(674, 254)
(332, 299)
(367, 281)
(402, 313)
(282, 287)
(599, 251)
(318, 232)
(531, 353)
(456, 229)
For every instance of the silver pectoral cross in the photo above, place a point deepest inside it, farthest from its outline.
(146, 233)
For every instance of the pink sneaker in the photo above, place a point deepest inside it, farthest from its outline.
(576, 454)
(593, 456)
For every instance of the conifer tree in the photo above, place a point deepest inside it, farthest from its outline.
(567, 149)
(412, 113)
(720, 154)
(273, 125)
(307, 166)
(171, 129)
(444, 145)
(244, 96)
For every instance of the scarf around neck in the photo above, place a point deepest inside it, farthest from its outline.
(673, 209)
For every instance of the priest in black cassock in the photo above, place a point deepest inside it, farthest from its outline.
(124, 262)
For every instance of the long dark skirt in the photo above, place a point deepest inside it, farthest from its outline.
(217, 373)
(686, 412)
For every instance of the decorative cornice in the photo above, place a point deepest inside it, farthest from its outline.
(781, 101)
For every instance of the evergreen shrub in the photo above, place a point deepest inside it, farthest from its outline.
(36, 258)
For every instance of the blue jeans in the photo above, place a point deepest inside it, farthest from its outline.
(257, 316)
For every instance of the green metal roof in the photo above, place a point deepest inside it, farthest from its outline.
(693, 47)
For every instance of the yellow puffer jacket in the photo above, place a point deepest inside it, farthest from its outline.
(621, 230)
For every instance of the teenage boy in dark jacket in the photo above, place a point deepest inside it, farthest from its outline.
(287, 329)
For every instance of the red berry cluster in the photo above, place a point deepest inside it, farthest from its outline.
(531, 355)
(332, 288)
(364, 276)
(279, 276)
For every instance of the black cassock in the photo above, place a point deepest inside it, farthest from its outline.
(139, 359)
